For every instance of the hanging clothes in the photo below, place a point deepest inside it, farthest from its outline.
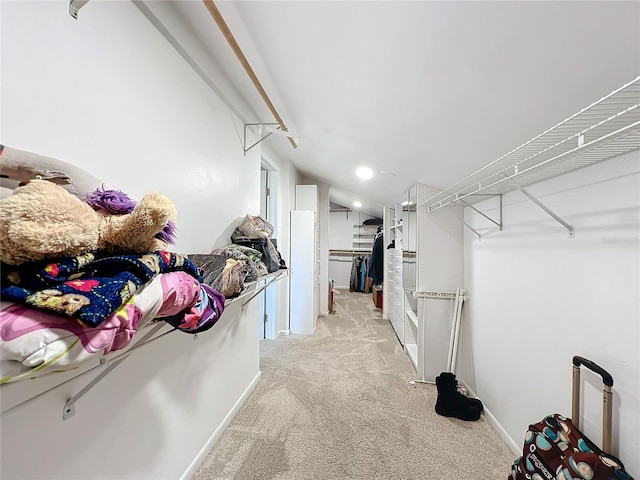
(354, 281)
(376, 260)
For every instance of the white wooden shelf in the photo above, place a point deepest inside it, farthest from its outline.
(412, 353)
(603, 130)
(413, 318)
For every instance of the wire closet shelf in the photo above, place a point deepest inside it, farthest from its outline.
(603, 130)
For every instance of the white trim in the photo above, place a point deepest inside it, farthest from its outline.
(204, 451)
(495, 424)
(284, 332)
(515, 448)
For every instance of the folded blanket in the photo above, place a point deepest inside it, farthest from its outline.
(88, 287)
(250, 256)
(34, 342)
(222, 273)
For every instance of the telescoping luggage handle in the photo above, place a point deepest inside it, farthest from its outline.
(607, 394)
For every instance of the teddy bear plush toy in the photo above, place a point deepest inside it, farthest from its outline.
(42, 220)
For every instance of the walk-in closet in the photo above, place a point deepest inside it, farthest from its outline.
(324, 240)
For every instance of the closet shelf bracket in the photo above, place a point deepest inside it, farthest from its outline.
(497, 223)
(268, 281)
(473, 230)
(69, 409)
(75, 6)
(270, 128)
(572, 233)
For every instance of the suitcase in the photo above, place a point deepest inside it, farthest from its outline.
(555, 449)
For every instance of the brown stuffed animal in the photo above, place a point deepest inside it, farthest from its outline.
(41, 220)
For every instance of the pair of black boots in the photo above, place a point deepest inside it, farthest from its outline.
(452, 403)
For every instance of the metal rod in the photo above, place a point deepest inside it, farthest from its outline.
(456, 339)
(257, 292)
(452, 335)
(607, 416)
(276, 276)
(575, 397)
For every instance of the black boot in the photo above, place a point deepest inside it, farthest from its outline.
(473, 401)
(451, 403)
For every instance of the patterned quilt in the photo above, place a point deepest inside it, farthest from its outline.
(88, 287)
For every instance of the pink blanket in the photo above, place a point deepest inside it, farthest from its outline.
(34, 342)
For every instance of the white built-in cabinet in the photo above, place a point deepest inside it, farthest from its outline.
(305, 261)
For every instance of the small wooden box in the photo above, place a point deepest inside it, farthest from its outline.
(377, 296)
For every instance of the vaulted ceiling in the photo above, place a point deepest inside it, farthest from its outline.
(418, 91)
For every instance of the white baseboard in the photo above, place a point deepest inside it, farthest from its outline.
(515, 448)
(204, 451)
(284, 332)
(495, 424)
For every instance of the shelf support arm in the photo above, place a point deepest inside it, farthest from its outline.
(244, 143)
(69, 410)
(473, 230)
(259, 290)
(499, 224)
(547, 209)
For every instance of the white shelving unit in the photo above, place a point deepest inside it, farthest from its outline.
(603, 130)
(393, 289)
(431, 265)
(363, 237)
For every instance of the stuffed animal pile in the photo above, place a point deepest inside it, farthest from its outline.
(42, 220)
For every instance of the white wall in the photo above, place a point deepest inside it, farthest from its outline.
(537, 298)
(108, 93)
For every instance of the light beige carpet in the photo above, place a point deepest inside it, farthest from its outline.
(338, 404)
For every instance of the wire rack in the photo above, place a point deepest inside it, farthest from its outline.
(603, 130)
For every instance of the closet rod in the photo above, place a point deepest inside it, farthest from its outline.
(349, 253)
(215, 13)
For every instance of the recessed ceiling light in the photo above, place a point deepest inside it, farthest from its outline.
(357, 204)
(364, 173)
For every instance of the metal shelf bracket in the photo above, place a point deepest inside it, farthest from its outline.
(498, 223)
(572, 233)
(473, 230)
(271, 128)
(69, 409)
(75, 5)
